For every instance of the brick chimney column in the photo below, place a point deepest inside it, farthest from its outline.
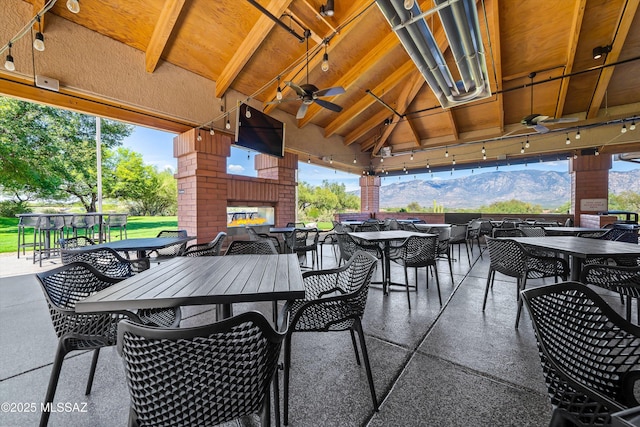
(589, 184)
(370, 194)
(285, 172)
(202, 182)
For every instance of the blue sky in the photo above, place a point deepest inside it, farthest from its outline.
(156, 148)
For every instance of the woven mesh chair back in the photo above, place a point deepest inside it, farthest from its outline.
(458, 233)
(533, 230)
(507, 232)
(200, 376)
(117, 220)
(206, 249)
(76, 242)
(588, 352)
(173, 250)
(349, 246)
(105, 260)
(506, 257)
(368, 226)
(418, 251)
(63, 288)
(336, 313)
(247, 247)
(620, 279)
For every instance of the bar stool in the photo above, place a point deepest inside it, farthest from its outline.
(50, 229)
(117, 221)
(24, 223)
(83, 222)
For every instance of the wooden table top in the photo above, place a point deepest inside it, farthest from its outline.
(204, 280)
(580, 247)
(381, 236)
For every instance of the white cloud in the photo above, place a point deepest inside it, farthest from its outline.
(236, 168)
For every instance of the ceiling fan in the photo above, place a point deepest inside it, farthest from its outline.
(538, 121)
(308, 94)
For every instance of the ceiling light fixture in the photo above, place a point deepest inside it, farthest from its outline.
(578, 134)
(623, 129)
(325, 59)
(9, 64)
(73, 6)
(327, 9)
(462, 30)
(38, 43)
(599, 51)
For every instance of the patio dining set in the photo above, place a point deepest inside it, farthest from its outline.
(102, 296)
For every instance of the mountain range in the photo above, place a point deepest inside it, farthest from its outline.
(546, 188)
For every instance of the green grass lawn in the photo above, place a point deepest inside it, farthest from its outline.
(137, 226)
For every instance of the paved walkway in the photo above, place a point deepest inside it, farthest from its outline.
(454, 366)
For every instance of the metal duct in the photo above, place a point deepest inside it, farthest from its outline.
(460, 22)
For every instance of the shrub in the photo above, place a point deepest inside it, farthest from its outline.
(10, 208)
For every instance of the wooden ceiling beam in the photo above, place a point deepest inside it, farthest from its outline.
(38, 5)
(295, 75)
(161, 33)
(315, 37)
(576, 25)
(249, 45)
(415, 82)
(350, 77)
(366, 101)
(365, 127)
(493, 30)
(628, 12)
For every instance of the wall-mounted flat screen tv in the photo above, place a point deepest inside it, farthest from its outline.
(259, 132)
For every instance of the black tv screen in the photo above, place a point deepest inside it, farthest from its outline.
(259, 132)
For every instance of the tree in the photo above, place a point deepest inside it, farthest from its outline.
(625, 201)
(511, 206)
(323, 201)
(150, 192)
(47, 152)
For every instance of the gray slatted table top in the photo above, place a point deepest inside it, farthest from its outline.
(204, 280)
(580, 247)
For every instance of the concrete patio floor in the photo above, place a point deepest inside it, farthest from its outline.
(454, 366)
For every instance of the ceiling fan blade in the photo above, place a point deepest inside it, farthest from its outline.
(330, 91)
(302, 111)
(541, 129)
(297, 88)
(328, 105)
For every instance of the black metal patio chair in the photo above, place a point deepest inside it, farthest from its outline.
(301, 241)
(254, 235)
(63, 287)
(622, 280)
(244, 247)
(169, 252)
(206, 249)
(590, 355)
(106, 261)
(334, 301)
(512, 259)
(200, 376)
(416, 252)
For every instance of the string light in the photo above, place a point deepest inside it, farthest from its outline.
(8, 64)
(446, 153)
(522, 148)
(355, 160)
(381, 159)
(331, 160)
(484, 157)
(199, 136)
(411, 158)
(73, 6)
(624, 129)
(38, 43)
(309, 160)
(483, 149)
(597, 153)
(633, 125)
(404, 167)
(212, 132)
(428, 167)
(325, 59)
(248, 113)
(578, 134)
(454, 159)
(568, 141)
(227, 125)
(279, 91)
(526, 144)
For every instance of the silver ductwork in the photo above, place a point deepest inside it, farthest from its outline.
(460, 22)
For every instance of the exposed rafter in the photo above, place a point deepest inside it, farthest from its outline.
(365, 127)
(350, 77)
(627, 14)
(38, 5)
(576, 25)
(414, 83)
(249, 45)
(366, 101)
(161, 33)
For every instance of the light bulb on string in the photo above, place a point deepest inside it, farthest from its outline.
(578, 134)
(483, 150)
(484, 157)
(411, 158)
(446, 153)
(325, 60)
(354, 160)
(522, 149)
(279, 91)
(331, 160)
(212, 132)
(597, 153)
(381, 159)
(526, 144)
(454, 159)
(38, 42)
(567, 141)
(199, 138)
(227, 125)
(248, 113)
(624, 128)
(73, 6)
(633, 125)
(9, 65)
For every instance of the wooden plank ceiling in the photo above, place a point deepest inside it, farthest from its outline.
(234, 44)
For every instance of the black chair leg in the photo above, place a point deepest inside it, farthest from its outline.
(435, 270)
(287, 365)
(486, 290)
(365, 355)
(406, 282)
(94, 362)
(524, 283)
(355, 347)
(53, 381)
(265, 411)
(276, 395)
